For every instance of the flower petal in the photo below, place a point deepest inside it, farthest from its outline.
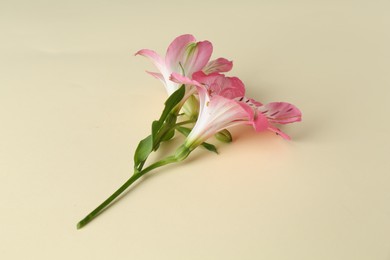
(281, 112)
(218, 65)
(178, 78)
(232, 88)
(249, 101)
(279, 132)
(157, 75)
(257, 120)
(176, 50)
(216, 113)
(196, 57)
(219, 84)
(154, 57)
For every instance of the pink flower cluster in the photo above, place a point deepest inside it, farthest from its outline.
(221, 100)
(212, 102)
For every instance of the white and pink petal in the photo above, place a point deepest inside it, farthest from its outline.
(218, 65)
(178, 78)
(216, 113)
(176, 50)
(156, 75)
(219, 84)
(155, 58)
(196, 57)
(281, 112)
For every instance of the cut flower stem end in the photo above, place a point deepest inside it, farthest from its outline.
(108, 201)
(181, 153)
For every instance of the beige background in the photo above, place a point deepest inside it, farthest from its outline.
(74, 102)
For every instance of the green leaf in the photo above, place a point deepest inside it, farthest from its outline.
(168, 117)
(172, 101)
(183, 130)
(171, 119)
(186, 131)
(161, 130)
(143, 150)
(168, 135)
(156, 126)
(210, 147)
(224, 136)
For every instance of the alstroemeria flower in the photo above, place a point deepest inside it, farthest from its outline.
(185, 56)
(273, 113)
(223, 105)
(220, 103)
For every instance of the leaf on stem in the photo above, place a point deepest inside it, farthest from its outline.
(143, 150)
(162, 129)
(186, 131)
(171, 102)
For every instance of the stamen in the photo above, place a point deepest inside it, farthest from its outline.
(182, 69)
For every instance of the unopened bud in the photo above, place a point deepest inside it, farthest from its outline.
(224, 136)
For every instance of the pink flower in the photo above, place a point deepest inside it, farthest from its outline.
(272, 113)
(222, 105)
(218, 65)
(185, 56)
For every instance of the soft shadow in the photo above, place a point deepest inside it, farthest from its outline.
(147, 177)
(308, 130)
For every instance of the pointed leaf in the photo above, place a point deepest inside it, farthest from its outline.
(172, 101)
(186, 131)
(156, 126)
(167, 118)
(143, 150)
(169, 135)
(183, 130)
(210, 147)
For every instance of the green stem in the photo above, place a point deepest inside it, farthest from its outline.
(168, 160)
(128, 183)
(161, 134)
(141, 165)
(185, 122)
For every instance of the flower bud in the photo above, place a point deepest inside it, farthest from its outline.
(224, 136)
